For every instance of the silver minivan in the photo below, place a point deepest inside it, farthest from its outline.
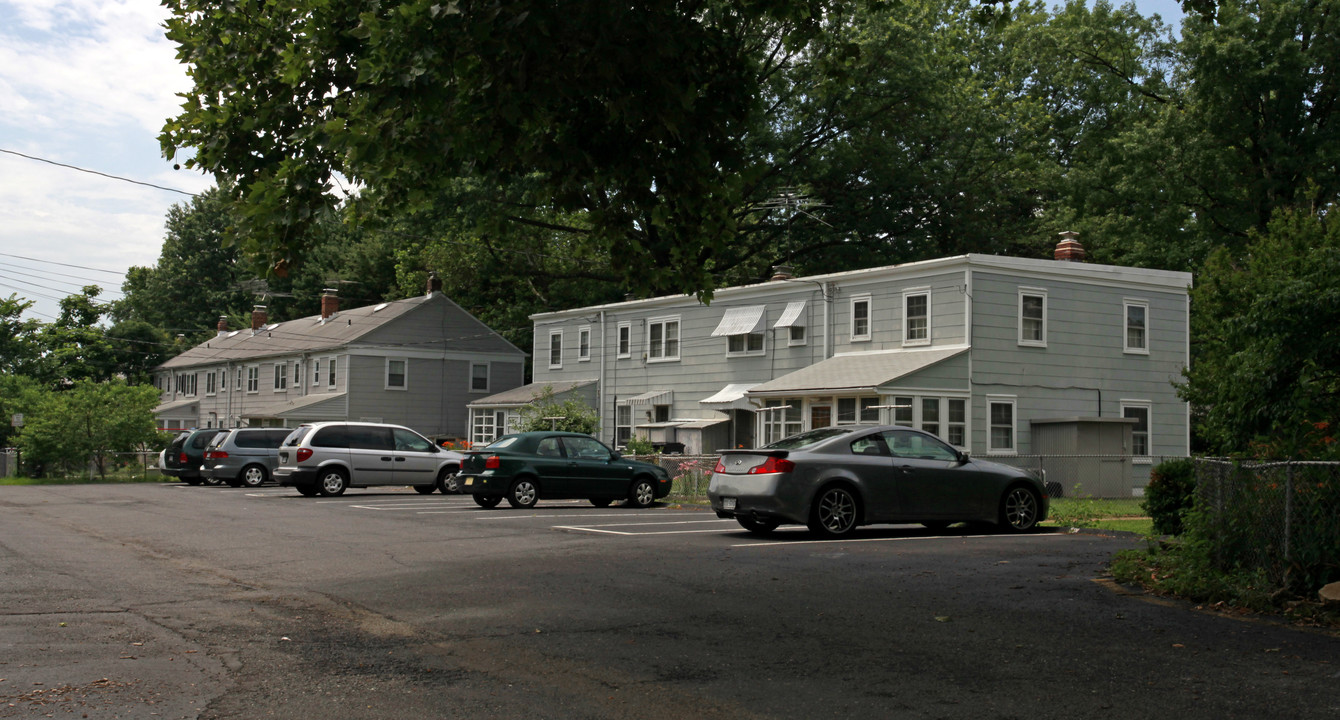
(243, 456)
(326, 458)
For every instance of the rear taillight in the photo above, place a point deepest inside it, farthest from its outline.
(493, 462)
(183, 459)
(721, 466)
(773, 465)
(216, 455)
(304, 453)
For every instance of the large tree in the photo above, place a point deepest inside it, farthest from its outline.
(89, 422)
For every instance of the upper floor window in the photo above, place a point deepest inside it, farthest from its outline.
(556, 349)
(1137, 326)
(479, 377)
(860, 318)
(281, 376)
(584, 344)
(330, 374)
(793, 319)
(316, 373)
(917, 317)
(397, 374)
(209, 382)
(1033, 317)
(747, 344)
(238, 385)
(662, 339)
(625, 340)
(253, 379)
(223, 380)
(743, 329)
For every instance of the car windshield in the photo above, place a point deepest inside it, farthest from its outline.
(807, 438)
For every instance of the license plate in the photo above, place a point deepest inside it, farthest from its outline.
(469, 481)
(727, 503)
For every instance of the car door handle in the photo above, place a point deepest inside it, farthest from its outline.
(907, 469)
(400, 459)
(386, 459)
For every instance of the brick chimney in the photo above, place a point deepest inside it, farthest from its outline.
(1069, 248)
(434, 284)
(222, 327)
(330, 303)
(258, 317)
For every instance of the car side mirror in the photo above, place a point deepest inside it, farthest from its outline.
(963, 457)
(615, 456)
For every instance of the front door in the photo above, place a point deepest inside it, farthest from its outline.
(821, 416)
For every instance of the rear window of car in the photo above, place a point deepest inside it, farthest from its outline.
(295, 437)
(807, 438)
(502, 442)
(219, 439)
(201, 440)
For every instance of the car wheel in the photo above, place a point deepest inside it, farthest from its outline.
(308, 490)
(834, 512)
(757, 527)
(425, 489)
(642, 494)
(1019, 510)
(212, 482)
(523, 493)
(333, 482)
(254, 475)
(487, 501)
(601, 502)
(447, 483)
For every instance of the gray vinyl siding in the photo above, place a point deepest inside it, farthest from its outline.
(438, 324)
(886, 298)
(1083, 370)
(949, 376)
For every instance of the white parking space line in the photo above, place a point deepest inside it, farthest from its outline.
(600, 531)
(795, 543)
(604, 528)
(515, 516)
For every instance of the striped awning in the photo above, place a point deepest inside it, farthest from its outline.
(740, 321)
(792, 315)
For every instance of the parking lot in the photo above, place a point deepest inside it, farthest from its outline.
(387, 603)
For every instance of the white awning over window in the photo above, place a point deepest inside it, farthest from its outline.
(651, 397)
(792, 315)
(740, 321)
(730, 397)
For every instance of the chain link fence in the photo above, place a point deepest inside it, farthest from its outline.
(1282, 518)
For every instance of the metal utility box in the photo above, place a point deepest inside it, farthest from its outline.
(1086, 456)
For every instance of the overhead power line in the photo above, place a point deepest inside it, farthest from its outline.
(53, 262)
(95, 172)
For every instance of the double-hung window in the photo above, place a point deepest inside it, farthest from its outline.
(209, 383)
(1033, 317)
(1136, 313)
(860, 318)
(555, 349)
(1001, 412)
(662, 339)
(625, 340)
(253, 379)
(397, 374)
(1138, 410)
(583, 344)
(479, 377)
(330, 375)
(281, 377)
(917, 316)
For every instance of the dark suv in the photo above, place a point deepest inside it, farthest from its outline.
(186, 454)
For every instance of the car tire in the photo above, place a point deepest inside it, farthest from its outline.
(333, 482)
(254, 476)
(642, 494)
(212, 482)
(601, 502)
(447, 482)
(1019, 510)
(834, 512)
(757, 527)
(308, 490)
(425, 489)
(523, 493)
(487, 501)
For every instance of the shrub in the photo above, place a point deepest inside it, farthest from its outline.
(638, 445)
(1171, 493)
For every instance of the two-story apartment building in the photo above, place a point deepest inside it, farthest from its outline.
(998, 356)
(416, 362)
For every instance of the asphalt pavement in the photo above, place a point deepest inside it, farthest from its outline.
(164, 600)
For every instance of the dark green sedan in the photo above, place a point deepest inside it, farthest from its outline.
(527, 467)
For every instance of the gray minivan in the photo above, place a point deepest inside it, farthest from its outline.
(327, 458)
(244, 456)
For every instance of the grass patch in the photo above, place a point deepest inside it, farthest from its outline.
(115, 478)
(1123, 514)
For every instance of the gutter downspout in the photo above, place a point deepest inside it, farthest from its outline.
(600, 397)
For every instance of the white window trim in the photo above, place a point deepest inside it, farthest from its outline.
(211, 384)
(280, 386)
(332, 373)
(1126, 304)
(316, 372)
(679, 338)
(488, 378)
(1148, 407)
(386, 374)
(297, 373)
(869, 318)
(624, 329)
(257, 370)
(747, 352)
(804, 340)
(549, 350)
(1013, 402)
(1035, 292)
(914, 292)
(585, 330)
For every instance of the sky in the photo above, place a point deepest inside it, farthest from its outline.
(89, 84)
